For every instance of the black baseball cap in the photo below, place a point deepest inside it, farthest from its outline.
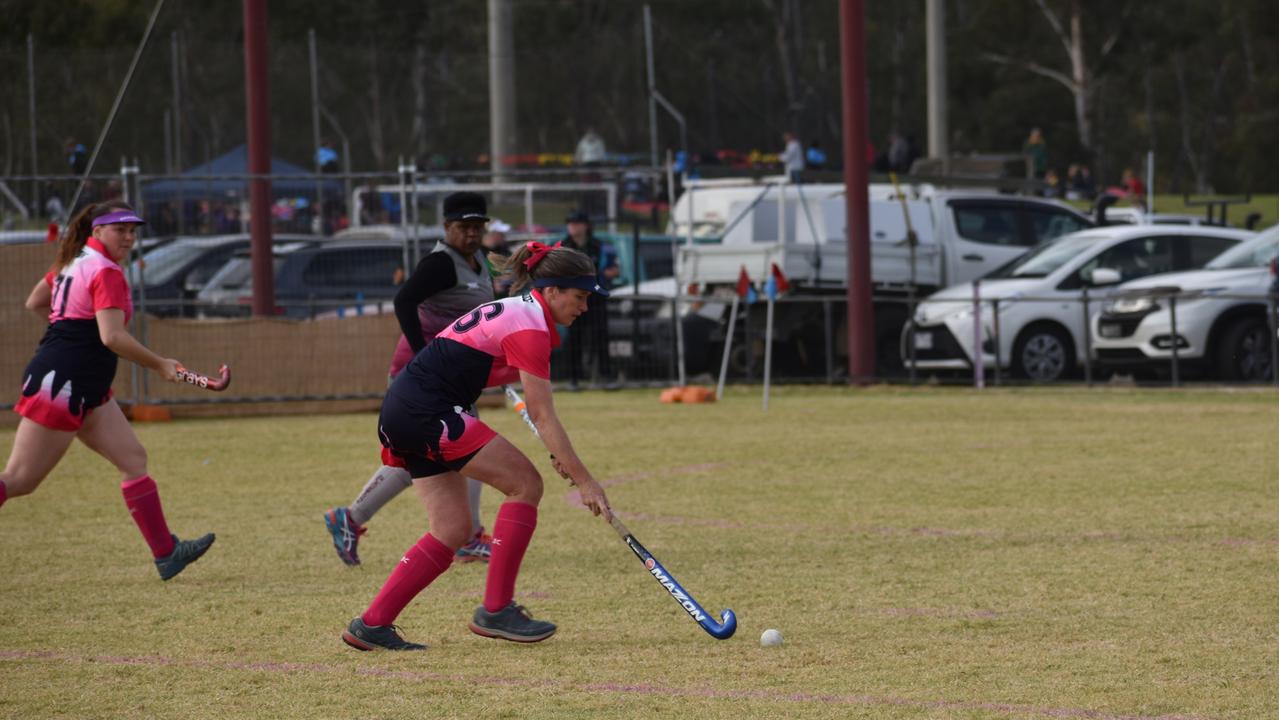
(465, 206)
(578, 216)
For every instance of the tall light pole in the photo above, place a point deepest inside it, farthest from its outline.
(501, 85)
(861, 320)
(938, 133)
(257, 108)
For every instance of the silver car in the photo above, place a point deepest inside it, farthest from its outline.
(1221, 327)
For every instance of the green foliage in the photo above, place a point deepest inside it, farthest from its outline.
(927, 553)
(1194, 81)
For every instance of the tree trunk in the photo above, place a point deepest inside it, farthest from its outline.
(1183, 97)
(1081, 78)
(418, 72)
(373, 113)
(785, 57)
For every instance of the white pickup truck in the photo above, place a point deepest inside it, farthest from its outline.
(961, 235)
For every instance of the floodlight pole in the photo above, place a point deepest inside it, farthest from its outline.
(31, 111)
(861, 321)
(652, 88)
(257, 96)
(315, 127)
(938, 133)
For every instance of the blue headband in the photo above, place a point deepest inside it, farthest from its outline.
(581, 282)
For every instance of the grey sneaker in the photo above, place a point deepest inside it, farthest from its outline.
(184, 553)
(376, 637)
(345, 533)
(479, 548)
(512, 622)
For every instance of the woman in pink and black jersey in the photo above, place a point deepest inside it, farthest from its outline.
(66, 388)
(424, 422)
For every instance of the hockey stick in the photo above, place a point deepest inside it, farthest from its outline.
(721, 630)
(517, 403)
(217, 384)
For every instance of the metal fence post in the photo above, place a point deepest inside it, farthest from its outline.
(979, 370)
(1176, 360)
(1274, 339)
(830, 342)
(911, 351)
(1087, 339)
(999, 362)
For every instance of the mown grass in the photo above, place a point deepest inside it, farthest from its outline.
(927, 553)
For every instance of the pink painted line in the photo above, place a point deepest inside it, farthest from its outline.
(609, 688)
(980, 614)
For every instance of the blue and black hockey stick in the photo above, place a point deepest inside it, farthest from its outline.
(721, 630)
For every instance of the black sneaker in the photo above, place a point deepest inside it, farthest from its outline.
(512, 622)
(184, 553)
(376, 637)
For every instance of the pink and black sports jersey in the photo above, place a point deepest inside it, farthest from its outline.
(485, 348)
(92, 282)
(72, 370)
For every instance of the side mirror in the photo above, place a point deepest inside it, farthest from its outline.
(1105, 276)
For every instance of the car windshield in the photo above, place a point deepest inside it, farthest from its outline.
(164, 262)
(1257, 252)
(236, 274)
(1041, 261)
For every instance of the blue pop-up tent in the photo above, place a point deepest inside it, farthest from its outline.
(209, 180)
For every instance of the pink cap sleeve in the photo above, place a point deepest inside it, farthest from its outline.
(110, 290)
(529, 350)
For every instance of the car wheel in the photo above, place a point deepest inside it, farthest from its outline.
(1243, 352)
(1043, 353)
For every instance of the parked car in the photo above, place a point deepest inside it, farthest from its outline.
(1135, 216)
(23, 237)
(1041, 319)
(319, 277)
(171, 275)
(229, 293)
(1222, 329)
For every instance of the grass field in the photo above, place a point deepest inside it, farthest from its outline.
(927, 553)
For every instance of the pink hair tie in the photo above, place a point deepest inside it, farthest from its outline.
(539, 251)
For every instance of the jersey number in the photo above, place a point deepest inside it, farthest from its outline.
(489, 311)
(62, 286)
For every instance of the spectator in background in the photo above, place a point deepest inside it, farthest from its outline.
(792, 157)
(1036, 151)
(495, 239)
(900, 154)
(1052, 184)
(1072, 182)
(1274, 275)
(590, 149)
(815, 157)
(494, 244)
(326, 157)
(53, 207)
(1083, 184)
(77, 156)
(592, 328)
(1134, 189)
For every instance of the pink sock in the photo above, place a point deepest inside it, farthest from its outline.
(143, 500)
(424, 562)
(511, 534)
(4, 492)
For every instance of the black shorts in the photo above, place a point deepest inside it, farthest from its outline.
(431, 444)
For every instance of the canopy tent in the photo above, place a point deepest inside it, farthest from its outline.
(217, 178)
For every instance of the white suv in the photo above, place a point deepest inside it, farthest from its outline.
(1041, 318)
(1222, 329)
